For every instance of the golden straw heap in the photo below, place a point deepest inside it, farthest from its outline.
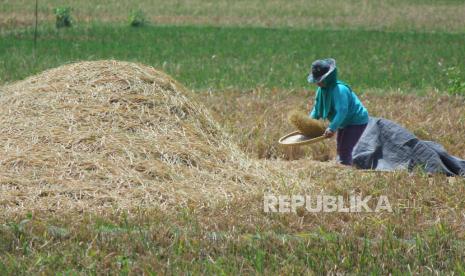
(112, 134)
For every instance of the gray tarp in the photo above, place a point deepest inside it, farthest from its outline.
(386, 145)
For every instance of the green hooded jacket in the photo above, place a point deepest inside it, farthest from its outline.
(337, 103)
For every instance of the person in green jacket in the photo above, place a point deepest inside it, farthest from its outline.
(335, 101)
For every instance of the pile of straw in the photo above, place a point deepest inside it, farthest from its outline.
(112, 134)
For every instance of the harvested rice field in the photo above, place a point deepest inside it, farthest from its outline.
(154, 150)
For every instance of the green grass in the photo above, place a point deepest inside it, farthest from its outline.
(424, 15)
(247, 57)
(154, 241)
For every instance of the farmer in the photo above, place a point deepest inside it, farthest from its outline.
(335, 101)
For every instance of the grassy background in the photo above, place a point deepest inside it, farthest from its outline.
(423, 15)
(244, 57)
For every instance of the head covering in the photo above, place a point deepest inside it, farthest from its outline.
(321, 69)
(329, 80)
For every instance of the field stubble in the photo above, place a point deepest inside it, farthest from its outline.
(120, 158)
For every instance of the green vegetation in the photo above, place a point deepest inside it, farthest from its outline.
(137, 18)
(63, 17)
(456, 81)
(179, 242)
(221, 58)
(393, 15)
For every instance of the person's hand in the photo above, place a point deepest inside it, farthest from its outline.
(328, 133)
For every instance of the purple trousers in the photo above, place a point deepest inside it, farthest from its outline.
(347, 138)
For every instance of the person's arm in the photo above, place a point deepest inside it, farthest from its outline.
(341, 105)
(313, 114)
